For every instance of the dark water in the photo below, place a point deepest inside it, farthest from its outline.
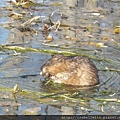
(85, 24)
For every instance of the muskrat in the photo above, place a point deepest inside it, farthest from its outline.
(71, 70)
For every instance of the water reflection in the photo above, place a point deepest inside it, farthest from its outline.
(69, 12)
(3, 37)
(67, 110)
(17, 37)
(89, 22)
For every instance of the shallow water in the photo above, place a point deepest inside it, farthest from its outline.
(84, 24)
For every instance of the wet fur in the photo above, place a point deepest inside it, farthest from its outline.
(71, 70)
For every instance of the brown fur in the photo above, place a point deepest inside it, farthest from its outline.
(75, 70)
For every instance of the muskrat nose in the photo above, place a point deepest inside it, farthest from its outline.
(41, 73)
(45, 74)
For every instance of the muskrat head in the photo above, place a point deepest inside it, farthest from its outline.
(44, 72)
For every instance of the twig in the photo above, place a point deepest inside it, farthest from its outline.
(49, 51)
(113, 81)
(107, 100)
(104, 82)
(114, 70)
(30, 21)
